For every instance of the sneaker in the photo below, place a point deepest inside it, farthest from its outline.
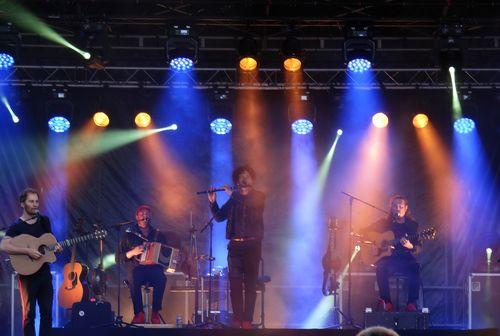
(138, 318)
(385, 305)
(155, 318)
(411, 307)
(246, 325)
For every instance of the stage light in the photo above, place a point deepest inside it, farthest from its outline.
(359, 48)
(340, 132)
(489, 252)
(59, 124)
(181, 48)
(181, 64)
(450, 45)
(302, 126)
(174, 127)
(101, 119)
(6, 61)
(380, 120)
(292, 54)
(142, 119)
(420, 120)
(15, 118)
(247, 54)
(464, 125)
(248, 64)
(359, 65)
(221, 126)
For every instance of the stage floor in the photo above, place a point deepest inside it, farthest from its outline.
(257, 332)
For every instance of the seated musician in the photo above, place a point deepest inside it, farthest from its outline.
(402, 260)
(137, 275)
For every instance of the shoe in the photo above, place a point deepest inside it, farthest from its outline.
(246, 325)
(155, 318)
(385, 305)
(139, 318)
(411, 307)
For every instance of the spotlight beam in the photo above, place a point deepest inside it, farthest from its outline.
(457, 108)
(24, 19)
(14, 117)
(326, 164)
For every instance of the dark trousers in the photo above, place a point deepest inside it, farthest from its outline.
(405, 266)
(152, 276)
(243, 261)
(36, 288)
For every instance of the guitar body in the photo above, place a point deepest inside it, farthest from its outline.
(71, 290)
(24, 264)
(380, 240)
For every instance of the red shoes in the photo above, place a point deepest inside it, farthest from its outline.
(411, 307)
(385, 305)
(139, 318)
(155, 318)
(246, 325)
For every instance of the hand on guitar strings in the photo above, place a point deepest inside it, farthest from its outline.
(34, 254)
(406, 243)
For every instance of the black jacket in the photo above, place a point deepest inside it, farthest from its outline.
(244, 215)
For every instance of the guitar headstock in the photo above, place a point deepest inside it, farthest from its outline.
(428, 234)
(100, 234)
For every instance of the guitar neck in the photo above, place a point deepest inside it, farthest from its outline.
(76, 240)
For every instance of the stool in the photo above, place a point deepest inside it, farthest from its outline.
(147, 302)
(399, 278)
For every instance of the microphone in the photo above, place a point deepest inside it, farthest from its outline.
(203, 192)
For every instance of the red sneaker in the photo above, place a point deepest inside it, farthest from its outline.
(246, 325)
(411, 307)
(139, 318)
(155, 318)
(385, 305)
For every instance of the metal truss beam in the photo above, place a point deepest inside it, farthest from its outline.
(265, 79)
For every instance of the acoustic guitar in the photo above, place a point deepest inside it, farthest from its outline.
(386, 243)
(45, 244)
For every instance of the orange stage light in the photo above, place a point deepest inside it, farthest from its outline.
(142, 119)
(101, 119)
(420, 120)
(248, 64)
(292, 64)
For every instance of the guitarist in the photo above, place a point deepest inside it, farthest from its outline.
(37, 286)
(402, 260)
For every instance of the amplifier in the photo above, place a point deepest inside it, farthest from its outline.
(398, 320)
(484, 297)
(91, 314)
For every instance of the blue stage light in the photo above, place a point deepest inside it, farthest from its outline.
(180, 64)
(464, 125)
(302, 126)
(6, 61)
(59, 124)
(359, 65)
(221, 126)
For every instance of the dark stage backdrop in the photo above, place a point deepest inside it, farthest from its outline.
(165, 170)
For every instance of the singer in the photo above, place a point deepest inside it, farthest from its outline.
(244, 229)
(131, 247)
(36, 287)
(402, 260)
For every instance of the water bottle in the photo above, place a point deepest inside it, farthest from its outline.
(178, 321)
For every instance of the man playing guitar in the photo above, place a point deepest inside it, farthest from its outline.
(402, 259)
(38, 286)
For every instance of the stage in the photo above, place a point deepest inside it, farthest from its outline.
(257, 332)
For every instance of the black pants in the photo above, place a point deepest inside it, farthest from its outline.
(243, 261)
(152, 276)
(36, 288)
(408, 266)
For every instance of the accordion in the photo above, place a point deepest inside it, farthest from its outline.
(160, 254)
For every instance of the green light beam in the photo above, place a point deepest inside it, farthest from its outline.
(455, 103)
(24, 19)
(325, 165)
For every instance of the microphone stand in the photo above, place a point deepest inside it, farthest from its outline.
(350, 321)
(211, 259)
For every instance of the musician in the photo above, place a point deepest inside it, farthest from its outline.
(36, 287)
(244, 229)
(131, 248)
(402, 260)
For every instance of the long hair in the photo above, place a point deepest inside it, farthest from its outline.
(404, 199)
